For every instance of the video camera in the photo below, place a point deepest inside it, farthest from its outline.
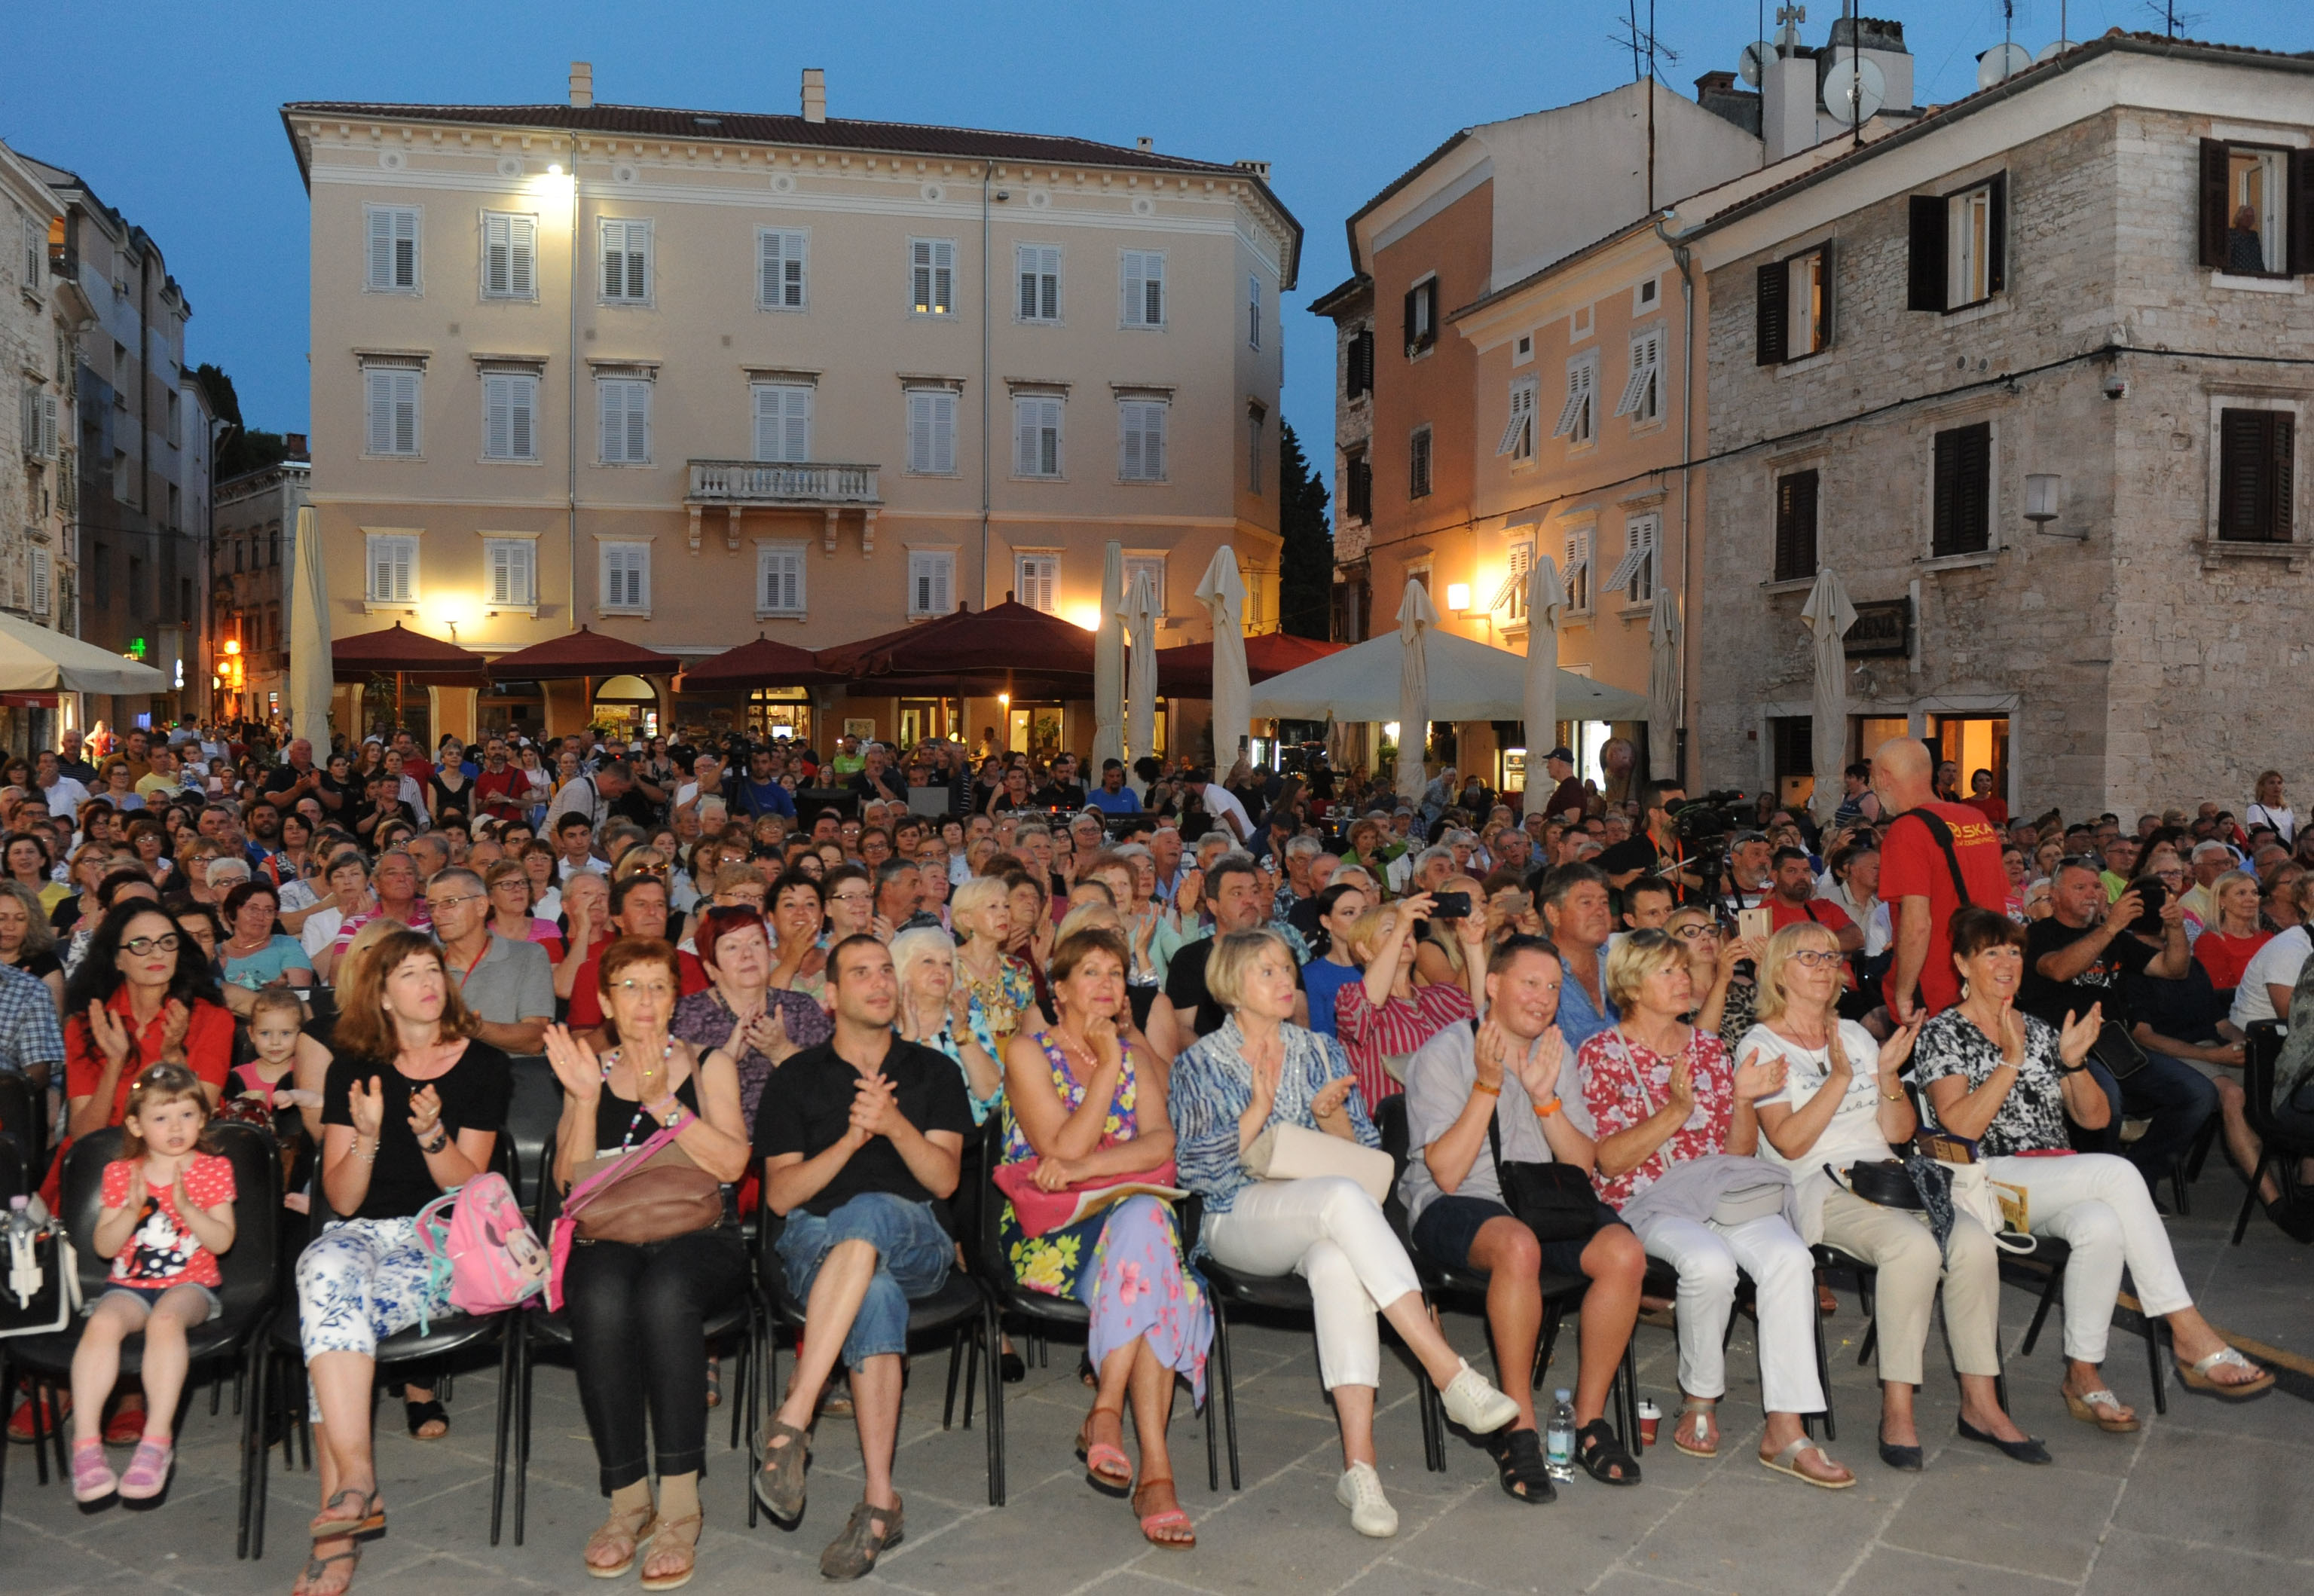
(1713, 816)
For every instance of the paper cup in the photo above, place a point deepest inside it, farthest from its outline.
(1650, 1417)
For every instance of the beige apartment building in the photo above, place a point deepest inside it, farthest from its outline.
(688, 377)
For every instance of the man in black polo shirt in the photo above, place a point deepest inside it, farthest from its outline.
(1186, 1010)
(1062, 790)
(859, 1137)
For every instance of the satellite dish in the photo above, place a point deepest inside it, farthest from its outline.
(2000, 64)
(1788, 36)
(1854, 90)
(1752, 65)
(2053, 49)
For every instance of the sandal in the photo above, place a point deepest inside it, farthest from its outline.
(1155, 1525)
(419, 1414)
(675, 1535)
(779, 1482)
(630, 1530)
(2102, 1408)
(317, 1569)
(92, 1479)
(333, 1521)
(126, 1427)
(867, 1534)
(2197, 1375)
(1700, 1439)
(1603, 1456)
(714, 1384)
(1107, 1467)
(1518, 1463)
(1788, 1461)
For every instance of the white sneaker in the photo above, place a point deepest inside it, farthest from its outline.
(1360, 1490)
(1473, 1402)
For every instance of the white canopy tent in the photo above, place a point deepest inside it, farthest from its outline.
(34, 659)
(1468, 680)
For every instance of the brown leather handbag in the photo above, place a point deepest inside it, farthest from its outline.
(648, 1194)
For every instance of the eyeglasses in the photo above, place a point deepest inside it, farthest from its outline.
(436, 905)
(1815, 958)
(1696, 933)
(851, 897)
(138, 946)
(655, 989)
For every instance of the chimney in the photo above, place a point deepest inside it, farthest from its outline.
(815, 94)
(296, 443)
(582, 83)
(1144, 142)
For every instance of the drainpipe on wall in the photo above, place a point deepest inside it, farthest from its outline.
(987, 400)
(1680, 258)
(570, 358)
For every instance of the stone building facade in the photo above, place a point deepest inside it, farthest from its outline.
(2027, 493)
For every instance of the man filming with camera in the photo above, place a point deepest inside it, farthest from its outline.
(1657, 847)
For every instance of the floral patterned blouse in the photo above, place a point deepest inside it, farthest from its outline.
(1051, 1262)
(2032, 1117)
(1624, 1083)
(993, 1025)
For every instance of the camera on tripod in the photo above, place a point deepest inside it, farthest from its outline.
(1712, 816)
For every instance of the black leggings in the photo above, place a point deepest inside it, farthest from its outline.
(637, 1317)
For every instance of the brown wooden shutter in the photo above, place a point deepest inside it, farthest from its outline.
(1796, 523)
(2255, 477)
(1826, 263)
(2214, 216)
(1411, 293)
(1770, 314)
(2302, 213)
(1925, 282)
(1996, 235)
(1963, 516)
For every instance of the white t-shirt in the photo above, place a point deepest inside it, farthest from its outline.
(65, 797)
(2283, 820)
(1853, 1136)
(1221, 801)
(2276, 964)
(321, 930)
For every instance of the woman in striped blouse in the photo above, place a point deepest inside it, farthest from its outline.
(1391, 1012)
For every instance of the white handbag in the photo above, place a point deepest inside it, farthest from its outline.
(1296, 1152)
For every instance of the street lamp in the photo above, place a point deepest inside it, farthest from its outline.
(2043, 499)
(1458, 596)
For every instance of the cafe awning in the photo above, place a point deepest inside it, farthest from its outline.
(35, 659)
(1008, 642)
(762, 663)
(1468, 680)
(1187, 671)
(580, 654)
(397, 651)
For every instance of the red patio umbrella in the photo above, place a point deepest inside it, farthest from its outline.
(1006, 639)
(401, 653)
(1187, 671)
(760, 664)
(583, 653)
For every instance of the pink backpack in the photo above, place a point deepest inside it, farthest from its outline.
(477, 1238)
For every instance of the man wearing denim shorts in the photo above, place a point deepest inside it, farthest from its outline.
(858, 1137)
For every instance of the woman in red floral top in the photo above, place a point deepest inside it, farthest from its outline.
(1390, 1014)
(1664, 1094)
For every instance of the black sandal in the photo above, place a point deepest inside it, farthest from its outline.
(421, 1414)
(1604, 1457)
(1518, 1458)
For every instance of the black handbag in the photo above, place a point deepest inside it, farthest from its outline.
(2118, 1050)
(1556, 1201)
(1882, 1182)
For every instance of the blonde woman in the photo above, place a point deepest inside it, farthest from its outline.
(1725, 996)
(1390, 1011)
(2271, 808)
(1840, 1105)
(999, 988)
(1440, 955)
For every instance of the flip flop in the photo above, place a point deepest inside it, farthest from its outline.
(1700, 1406)
(2196, 1376)
(2102, 1408)
(318, 1568)
(1787, 1461)
(333, 1522)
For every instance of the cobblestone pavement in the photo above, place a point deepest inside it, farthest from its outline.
(2210, 1497)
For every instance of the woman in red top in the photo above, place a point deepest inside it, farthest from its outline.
(2227, 944)
(1981, 796)
(1388, 1014)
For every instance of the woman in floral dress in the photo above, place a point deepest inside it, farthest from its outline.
(1077, 1107)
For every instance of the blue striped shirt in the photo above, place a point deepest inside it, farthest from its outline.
(1212, 1086)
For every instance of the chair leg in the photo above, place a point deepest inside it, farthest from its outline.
(2249, 1198)
(1228, 1391)
(989, 1332)
(1627, 1415)
(1213, 1438)
(2156, 1329)
(1824, 1378)
(2041, 1314)
(510, 1339)
(522, 1389)
(948, 1410)
(217, 1394)
(972, 1369)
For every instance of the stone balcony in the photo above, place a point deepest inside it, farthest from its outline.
(738, 486)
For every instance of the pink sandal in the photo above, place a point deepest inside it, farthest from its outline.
(92, 1476)
(147, 1474)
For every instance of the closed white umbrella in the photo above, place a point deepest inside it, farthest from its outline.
(1544, 599)
(1141, 679)
(1469, 681)
(1663, 684)
(310, 669)
(1222, 591)
(1828, 615)
(34, 658)
(1415, 617)
(1109, 663)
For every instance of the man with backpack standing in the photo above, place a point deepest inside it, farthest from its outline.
(1936, 858)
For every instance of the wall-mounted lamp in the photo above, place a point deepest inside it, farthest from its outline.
(1458, 596)
(2043, 499)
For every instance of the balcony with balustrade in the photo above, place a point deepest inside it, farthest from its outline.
(738, 486)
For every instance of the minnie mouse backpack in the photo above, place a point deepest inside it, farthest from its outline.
(477, 1238)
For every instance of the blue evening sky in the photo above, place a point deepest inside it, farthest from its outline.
(170, 111)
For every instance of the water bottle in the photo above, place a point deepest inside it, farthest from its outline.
(1558, 1437)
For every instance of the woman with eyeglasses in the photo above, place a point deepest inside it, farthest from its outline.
(1664, 1094)
(799, 910)
(143, 995)
(1841, 1105)
(511, 892)
(734, 947)
(1728, 996)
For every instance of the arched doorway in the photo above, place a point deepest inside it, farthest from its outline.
(628, 704)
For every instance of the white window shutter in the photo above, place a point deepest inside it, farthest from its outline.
(780, 268)
(379, 401)
(523, 416)
(920, 431)
(795, 425)
(1514, 427)
(767, 421)
(405, 411)
(944, 433)
(1152, 441)
(1024, 453)
(920, 273)
(497, 255)
(380, 222)
(1571, 413)
(498, 416)
(48, 407)
(1129, 461)
(39, 580)
(1152, 291)
(638, 438)
(944, 274)
(611, 401)
(522, 257)
(1135, 278)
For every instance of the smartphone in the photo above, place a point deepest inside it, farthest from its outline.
(2156, 895)
(1755, 923)
(1450, 905)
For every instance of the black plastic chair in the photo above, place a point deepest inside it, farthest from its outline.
(2047, 1260)
(1663, 1281)
(24, 1125)
(533, 1116)
(440, 1338)
(250, 1271)
(541, 1329)
(1465, 1291)
(959, 1309)
(2280, 1149)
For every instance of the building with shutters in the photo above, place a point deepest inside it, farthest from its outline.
(1508, 294)
(37, 313)
(2033, 376)
(252, 550)
(687, 378)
